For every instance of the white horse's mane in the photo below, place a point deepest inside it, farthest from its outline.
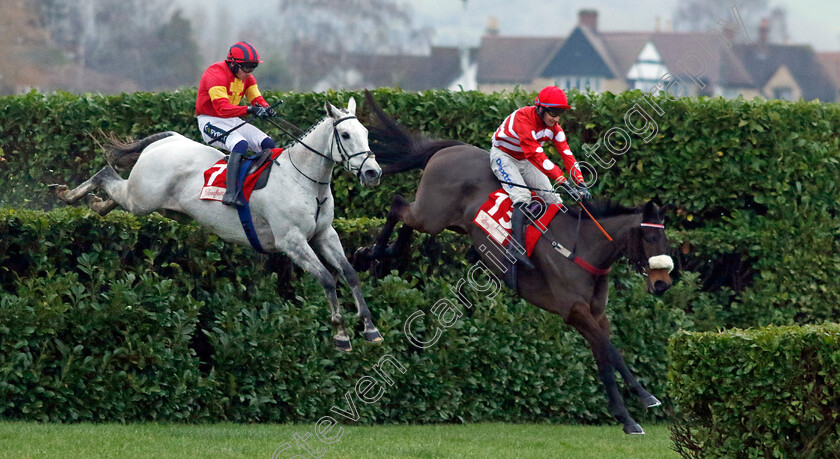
(312, 128)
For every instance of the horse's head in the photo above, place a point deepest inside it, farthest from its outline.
(658, 264)
(351, 144)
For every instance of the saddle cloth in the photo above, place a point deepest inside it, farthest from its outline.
(216, 176)
(494, 218)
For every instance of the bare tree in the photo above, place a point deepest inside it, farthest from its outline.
(120, 44)
(704, 15)
(21, 40)
(342, 27)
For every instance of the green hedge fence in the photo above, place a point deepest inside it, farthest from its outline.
(773, 392)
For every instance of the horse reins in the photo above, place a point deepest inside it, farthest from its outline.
(638, 264)
(222, 135)
(345, 157)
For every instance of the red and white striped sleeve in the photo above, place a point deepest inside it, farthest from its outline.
(569, 161)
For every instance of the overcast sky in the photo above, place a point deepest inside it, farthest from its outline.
(816, 22)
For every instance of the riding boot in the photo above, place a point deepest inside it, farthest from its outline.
(233, 195)
(517, 222)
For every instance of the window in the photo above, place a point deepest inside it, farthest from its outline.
(783, 93)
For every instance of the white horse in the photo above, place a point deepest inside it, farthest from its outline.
(293, 213)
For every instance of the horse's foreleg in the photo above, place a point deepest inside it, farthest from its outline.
(647, 399)
(328, 245)
(581, 318)
(298, 250)
(364, 255)
(398, 206)
(400, 247)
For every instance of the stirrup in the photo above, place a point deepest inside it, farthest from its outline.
(518, 232)
(233, 198)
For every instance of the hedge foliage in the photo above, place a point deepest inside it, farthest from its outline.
(126, 318)
(773, 392)
(754, 226)
(753, 182)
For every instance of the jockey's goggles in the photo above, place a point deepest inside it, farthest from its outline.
(554, 111)
(247, 68)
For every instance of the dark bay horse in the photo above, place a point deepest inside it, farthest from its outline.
(457, 180)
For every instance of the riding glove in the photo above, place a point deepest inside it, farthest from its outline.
(584, 193)
(259, 111)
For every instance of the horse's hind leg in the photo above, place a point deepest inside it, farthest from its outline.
(101, 206)
(328, 245)
(71, 196)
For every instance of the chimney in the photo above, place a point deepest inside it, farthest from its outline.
(657, 24)
(588, 19)
(764, 31)
(492, 26)
(729, 34)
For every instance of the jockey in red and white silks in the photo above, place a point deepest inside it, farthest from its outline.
(518, 157)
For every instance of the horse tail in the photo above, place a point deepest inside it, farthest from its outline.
(395, 147)
(123, 155)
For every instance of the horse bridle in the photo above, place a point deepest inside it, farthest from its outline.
(641, 264)
(345, 156)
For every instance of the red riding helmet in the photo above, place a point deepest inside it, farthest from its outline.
(243, 53)
(552, 97)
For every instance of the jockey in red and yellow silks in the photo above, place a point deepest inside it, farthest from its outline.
(220, 91)
(518, 160)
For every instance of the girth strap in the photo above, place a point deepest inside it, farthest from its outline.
(245, 210)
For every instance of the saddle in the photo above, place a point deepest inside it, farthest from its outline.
(257, 170)
(257, 162)
(494, 218)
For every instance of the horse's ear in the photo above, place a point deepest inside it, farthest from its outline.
(351, 105)
(650, 212)
(331, 110)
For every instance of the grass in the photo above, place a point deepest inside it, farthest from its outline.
(496, 441)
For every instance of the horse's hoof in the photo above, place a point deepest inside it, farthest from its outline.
(343, 345)
(374, 337)
(633, 429)
(361, 259)
(58, 190)
(650, 402)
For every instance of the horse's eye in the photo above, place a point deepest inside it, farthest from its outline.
(345, 135)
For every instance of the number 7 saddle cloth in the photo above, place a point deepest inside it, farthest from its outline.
(216, 176)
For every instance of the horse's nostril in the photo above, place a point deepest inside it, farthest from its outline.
(372, 174)
(661, 286)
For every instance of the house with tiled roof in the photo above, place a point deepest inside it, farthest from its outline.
(703, 63)
(617, 61)
(788, 72)
(442, 67)
(507, 62)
